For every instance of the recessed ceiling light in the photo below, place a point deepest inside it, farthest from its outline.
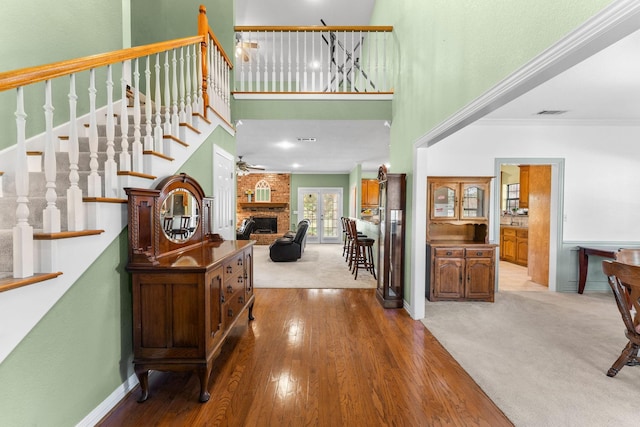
(295, 165)
(550, 112)
(285, 145)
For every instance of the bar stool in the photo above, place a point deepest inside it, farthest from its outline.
(348, 243)
(361, 251)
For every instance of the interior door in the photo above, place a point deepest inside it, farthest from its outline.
(224, 207)
(323, 208)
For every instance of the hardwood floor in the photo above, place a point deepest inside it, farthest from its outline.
(320, 357)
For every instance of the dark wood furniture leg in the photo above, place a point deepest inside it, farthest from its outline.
(251, 312)
(204, 372)
(583, 262)
(143, 379)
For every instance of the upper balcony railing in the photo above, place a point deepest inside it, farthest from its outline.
(315, 60)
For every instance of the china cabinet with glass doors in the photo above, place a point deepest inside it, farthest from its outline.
(460, 259)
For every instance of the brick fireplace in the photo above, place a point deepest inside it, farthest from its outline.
(278, 208)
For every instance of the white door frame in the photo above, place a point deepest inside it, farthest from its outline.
(321, 190)
(224, 194)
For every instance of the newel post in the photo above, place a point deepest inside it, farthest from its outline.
(203, 30)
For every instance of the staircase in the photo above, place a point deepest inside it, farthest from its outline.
(186, 100)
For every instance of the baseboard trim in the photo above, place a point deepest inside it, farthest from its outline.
(109, 403)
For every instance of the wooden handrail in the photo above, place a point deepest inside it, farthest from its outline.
(364, 28)
(30, 75)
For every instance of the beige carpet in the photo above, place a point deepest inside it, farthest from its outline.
(542, 357)
(321, 266)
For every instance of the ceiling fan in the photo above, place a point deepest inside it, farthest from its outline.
(243, 49)
(243, 168)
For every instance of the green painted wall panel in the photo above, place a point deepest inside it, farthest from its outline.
(311, 110)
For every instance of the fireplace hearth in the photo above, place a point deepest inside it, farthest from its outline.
(266, 225)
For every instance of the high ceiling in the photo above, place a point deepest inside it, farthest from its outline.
(604, 87)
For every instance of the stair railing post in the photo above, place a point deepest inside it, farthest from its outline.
(75, 207)
(125, 156)
(188, 109)
(203, 30)
(22, 232)
(94, 181)
(136, 147)
(157, 130)
(175, 118)
(51, 214)
(148, 137)
(110, 166)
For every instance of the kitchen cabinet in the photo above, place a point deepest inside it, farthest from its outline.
(370, 193)
(524, 187)
(461, 272)
(460, 259)
(188, 291)
(514, 245)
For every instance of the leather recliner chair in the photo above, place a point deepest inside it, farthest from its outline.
(245, 230)
(290, 247)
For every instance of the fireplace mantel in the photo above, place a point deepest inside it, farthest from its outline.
(263, 205)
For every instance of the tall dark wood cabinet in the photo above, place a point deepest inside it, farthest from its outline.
(189, 287)
(460, 259)
(392, 201)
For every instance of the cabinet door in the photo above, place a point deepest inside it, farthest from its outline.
(444, 197)
(480, 275)
(522, 251)
(508, 249)
(213, 281)
(475, 201)
(447, 278)
(524, 187)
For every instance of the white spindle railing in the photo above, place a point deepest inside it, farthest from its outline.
(51, 214)
(194, 62)
(75, 208)
(22, 232)
(353, 60)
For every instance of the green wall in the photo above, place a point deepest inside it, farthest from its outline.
(40, 32)
(318, 180)
(451, 52)
(81, 350)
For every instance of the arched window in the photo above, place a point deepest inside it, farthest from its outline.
(263, 191)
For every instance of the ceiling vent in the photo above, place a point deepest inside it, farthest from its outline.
(550, 112)
(307, 140)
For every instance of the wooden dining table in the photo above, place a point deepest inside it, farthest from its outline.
(583, 260)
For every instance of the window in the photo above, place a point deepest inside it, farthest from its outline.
(513, 197)
(263, 191)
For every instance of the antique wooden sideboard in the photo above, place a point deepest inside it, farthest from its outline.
(189, 286)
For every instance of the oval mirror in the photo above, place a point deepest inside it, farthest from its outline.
(179, 215)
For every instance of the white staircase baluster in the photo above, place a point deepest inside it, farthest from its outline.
(369, 70)
(125, 156)
(266, 64)
(242, 77)
(329, 63)
(110, 166)
(321, 65)
(281, 88)
(188, 108)
(351, 74)
(157, 130)
(306, 88)
(197, 80)
(289, 67)
(94, 181)
(51, 214)
(148, 114)
(227, 92)
(210, 73)
(376, 77)
(216, 76)
(274, 66)
(136, 148)
(250, 66)
(344, 61)
(175, 119)
(181, 88)
(22, 231)
(297, 61)
(167, 99)
(313, 65)
(384, 62)
(75, 208)
(257, 56)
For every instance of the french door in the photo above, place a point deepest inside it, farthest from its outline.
(323, 208)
